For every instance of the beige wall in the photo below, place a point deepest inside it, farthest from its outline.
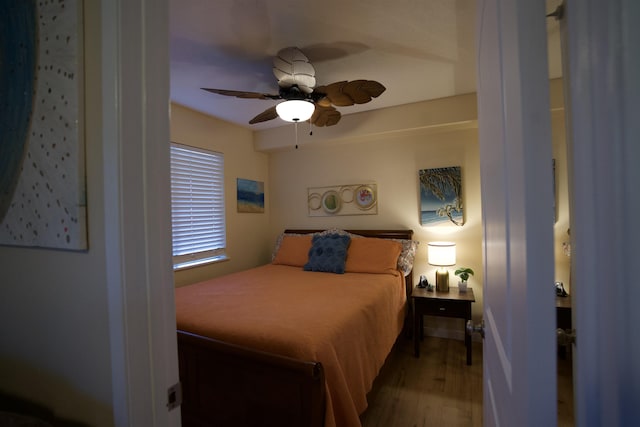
(562, 198)
(247, 233)
(392, 161)
(375, 148)
(559, 141)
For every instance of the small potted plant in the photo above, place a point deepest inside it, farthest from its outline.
(463, 273)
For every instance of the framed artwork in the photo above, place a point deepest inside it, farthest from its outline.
(352, 199)
(250, 196)
(441, 196)
(42, 171)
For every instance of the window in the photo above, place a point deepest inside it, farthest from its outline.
(197, 206)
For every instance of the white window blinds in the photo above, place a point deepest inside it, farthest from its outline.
(197, 205)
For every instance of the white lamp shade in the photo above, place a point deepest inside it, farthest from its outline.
(295, 110)
(441, 254)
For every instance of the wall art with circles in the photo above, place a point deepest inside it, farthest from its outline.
(42, 170)
(351, 199)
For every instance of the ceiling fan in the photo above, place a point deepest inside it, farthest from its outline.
(302, 99)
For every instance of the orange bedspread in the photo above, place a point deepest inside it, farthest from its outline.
(348, 322)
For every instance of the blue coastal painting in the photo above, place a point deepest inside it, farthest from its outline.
(441, 196)
(42, 170)
(250, 196)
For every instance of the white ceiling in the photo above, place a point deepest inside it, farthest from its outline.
(419, 49)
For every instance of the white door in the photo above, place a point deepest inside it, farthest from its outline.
(517, 199)
(604, 99)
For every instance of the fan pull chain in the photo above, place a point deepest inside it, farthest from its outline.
(296, 131)
(310, 128)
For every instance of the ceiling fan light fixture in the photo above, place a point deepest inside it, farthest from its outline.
(295, 110)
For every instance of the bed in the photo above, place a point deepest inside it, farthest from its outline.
(292, 343)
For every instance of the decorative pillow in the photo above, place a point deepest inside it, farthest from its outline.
(373, 255)
(276, 246)
(293, 250)
(338, 231)
(328, 253)
(408, 254)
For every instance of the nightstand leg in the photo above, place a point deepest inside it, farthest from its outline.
(417, 323)
(467, 343)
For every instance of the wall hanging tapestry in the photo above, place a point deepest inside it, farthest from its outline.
(441, 196)
(352, 199)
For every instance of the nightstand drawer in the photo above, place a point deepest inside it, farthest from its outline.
(443, 308)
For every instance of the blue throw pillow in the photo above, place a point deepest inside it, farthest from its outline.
(328, 253)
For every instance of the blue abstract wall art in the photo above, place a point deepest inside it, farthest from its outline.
(42, 171)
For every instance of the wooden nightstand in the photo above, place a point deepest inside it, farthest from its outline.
(445, 304)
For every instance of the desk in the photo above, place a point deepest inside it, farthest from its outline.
(445, 304)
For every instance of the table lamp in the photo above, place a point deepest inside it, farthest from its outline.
(441, 254)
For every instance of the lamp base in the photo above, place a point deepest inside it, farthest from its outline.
(442, 281)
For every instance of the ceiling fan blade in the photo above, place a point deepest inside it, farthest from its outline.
(361, 91)
(291, 54)
(347, 93)
(266, 115)
(292, 67)
(305, 82)
(242, 94)
(322, 100)
(325, 116)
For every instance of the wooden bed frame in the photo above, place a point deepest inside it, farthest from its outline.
(229, 385)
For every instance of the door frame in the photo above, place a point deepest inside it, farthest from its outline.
(137, 208)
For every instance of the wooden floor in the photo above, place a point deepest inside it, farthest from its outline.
(565, 392)
(439, 389)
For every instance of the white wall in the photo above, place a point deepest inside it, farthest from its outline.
(91, 335)
(54, 322)
(246, 232)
